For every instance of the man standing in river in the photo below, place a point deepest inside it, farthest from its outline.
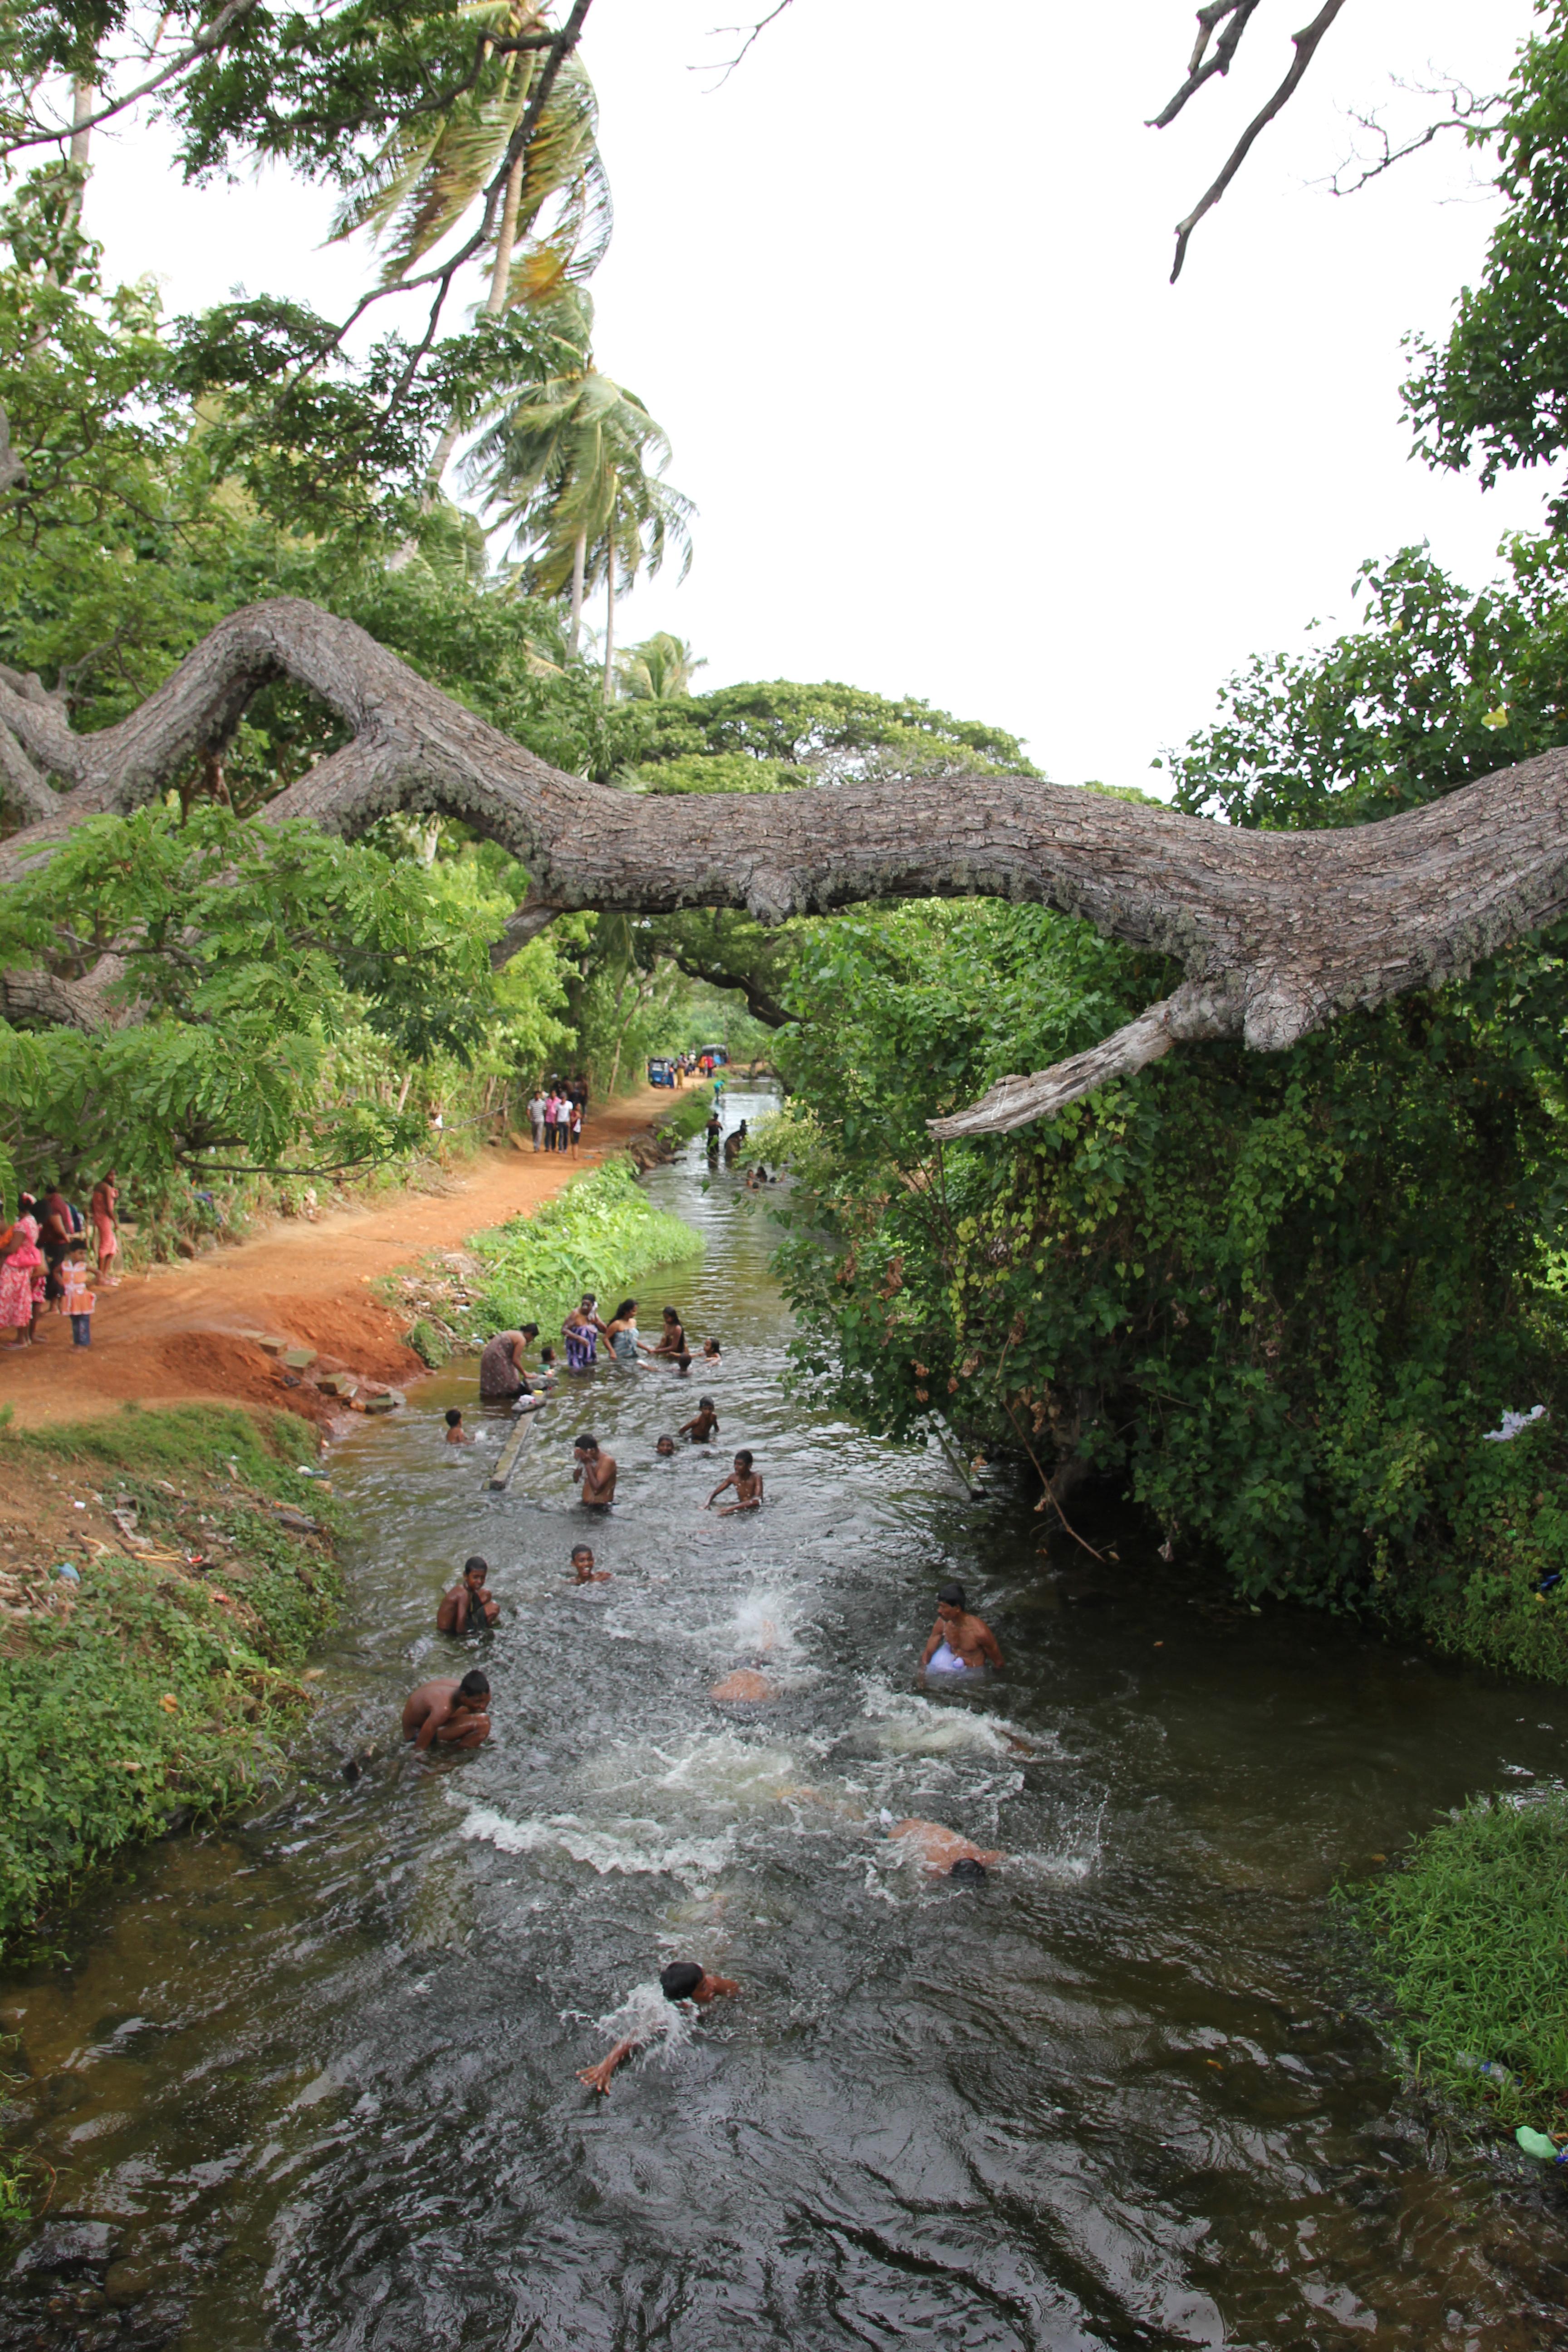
(958, 1643)
(453, 1714)
(594, 1473)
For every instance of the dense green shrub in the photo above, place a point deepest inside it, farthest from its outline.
(601, 1234)
(1465, 1941)
(92, 1753)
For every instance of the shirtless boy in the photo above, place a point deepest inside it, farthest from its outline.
(469, 1607)
(596, 1473)
(703, 1423)
(748, 1485)
(958, 1643)
(456, 1433)
(455, 1714)
(582, 1567)
(682, 1980)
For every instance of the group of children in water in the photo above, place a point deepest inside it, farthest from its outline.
(453, 1712)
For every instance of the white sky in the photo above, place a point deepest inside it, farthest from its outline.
(897, 290)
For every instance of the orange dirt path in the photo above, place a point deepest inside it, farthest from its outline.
(172, 1336)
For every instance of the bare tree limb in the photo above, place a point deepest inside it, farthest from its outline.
(1306, 46)
(1277, 932)
(1467, 111)
(1201, 68)
(755, 32)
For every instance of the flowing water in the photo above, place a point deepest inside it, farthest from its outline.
(318, 2069)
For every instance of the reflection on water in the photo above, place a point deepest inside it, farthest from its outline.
(320, 2069)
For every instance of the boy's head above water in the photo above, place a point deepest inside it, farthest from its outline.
(454, 1418)
(475, 1568)
(665, 1445)
(950, 1598)
(742, 1461)
(582, 1567)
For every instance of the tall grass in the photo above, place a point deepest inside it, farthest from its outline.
(1468, 1941)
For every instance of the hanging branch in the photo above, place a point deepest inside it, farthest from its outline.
(1306, 46)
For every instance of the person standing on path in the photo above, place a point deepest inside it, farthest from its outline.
(562, 1120)
(56, 1235)
(575, 1130)
(539, 1102)
(22, 1282)
(103, 1210)
(502, 1373)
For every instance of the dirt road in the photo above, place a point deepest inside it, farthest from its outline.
(175, 1334)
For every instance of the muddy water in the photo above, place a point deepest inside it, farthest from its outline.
(319, 2070)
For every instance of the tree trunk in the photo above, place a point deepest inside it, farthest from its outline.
(579, 562)
(610, 622)
(1278, 933)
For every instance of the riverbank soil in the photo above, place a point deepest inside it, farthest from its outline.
(185, 1333)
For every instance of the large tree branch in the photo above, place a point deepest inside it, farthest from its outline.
(1278, 933)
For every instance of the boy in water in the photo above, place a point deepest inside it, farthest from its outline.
(469, 1607)
(958, 1643)
(748, 1485)
(582, 1567)
(682, 1980)
(456, 1433)
(596, 1473)
(455, 1714)
(665, 1446)
(703, 1423)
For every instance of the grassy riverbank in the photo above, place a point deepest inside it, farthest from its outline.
(158, 1686)
(602, 1234)
(1467, 1943)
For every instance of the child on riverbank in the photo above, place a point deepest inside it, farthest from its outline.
(78, 1301)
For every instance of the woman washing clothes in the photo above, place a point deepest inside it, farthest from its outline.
(621, 1331)
(582, 1331)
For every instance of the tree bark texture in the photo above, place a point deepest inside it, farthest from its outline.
(1277, 931)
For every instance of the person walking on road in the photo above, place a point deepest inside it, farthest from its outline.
(538, 1105)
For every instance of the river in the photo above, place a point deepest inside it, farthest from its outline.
(319, 2068)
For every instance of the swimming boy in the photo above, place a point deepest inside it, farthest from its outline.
(748, 1485)
(469, 1607)
(665, 1446)
(456, 1433)
(596, 1473)
(703, 1423)
(943, 1854)
(682, 1980)
(582, 1567)
(958, 1643)
(454, 1714)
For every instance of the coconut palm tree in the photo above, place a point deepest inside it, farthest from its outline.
(659, 670)
(574, 462)
(555, 216)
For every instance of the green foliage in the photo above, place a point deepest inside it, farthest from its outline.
(258, 960)
(1279, 1299)
(601, 1234)
(432, 1346)
(92, 1753)
(827, 734)
(1498, 390)
(1438, 687)
(1465, 1941)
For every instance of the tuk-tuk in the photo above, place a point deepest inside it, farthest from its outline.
(660, 1071)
